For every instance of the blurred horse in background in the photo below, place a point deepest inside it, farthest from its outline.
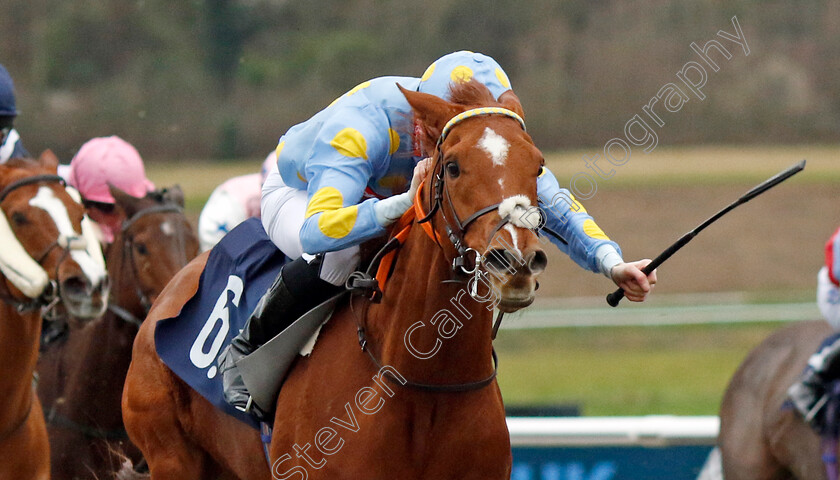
(81, 379)
(759, 439)
(51, 265)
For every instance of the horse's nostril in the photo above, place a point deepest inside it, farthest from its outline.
(75, 285)
(537, 261)
(500, 260)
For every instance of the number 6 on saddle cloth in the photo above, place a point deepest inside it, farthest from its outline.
(239, 270)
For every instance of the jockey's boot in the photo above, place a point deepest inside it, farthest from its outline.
(809, 395)
(295, 291)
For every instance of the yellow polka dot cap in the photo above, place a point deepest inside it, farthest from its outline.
(461, 67)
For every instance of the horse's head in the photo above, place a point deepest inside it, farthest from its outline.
(49, 248)
(156, 240)
(482, 188)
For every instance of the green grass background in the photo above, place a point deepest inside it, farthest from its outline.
(677, 370)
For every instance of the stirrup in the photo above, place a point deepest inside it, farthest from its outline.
(812, 413)
(247, 407)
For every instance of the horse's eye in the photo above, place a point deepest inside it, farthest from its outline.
(542, 170)
(141, 249)
(453, 169)
(19, 218)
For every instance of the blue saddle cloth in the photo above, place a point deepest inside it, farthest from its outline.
(239, 270)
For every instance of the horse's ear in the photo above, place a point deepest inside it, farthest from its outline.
(48, 160)
(510, 101)
(431, 113)
(174, 194)
(129, 204)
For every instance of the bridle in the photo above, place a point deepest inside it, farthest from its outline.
(52, 416)
(456, 228)
(128, 251)
(456, 231)
(51, 295)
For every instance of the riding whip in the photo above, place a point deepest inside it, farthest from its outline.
(616, 296)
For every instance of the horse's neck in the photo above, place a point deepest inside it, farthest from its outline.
(102, 350)
(417, 314)
(19, 341)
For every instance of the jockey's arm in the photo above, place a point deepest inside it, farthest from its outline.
(588, 245)
(350, 150)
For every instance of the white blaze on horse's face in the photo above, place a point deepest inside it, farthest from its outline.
(167, 229)
(88, 257)
(495, 145)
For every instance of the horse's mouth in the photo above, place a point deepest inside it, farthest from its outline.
(513, 303)
(85, 307)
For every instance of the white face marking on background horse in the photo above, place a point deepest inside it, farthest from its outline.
(167, 228)
(47, 201)
(495, 145)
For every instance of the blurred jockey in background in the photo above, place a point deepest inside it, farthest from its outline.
(231, 203)
(10, 144)
(350, 171)
(807, 394)
(104, 161)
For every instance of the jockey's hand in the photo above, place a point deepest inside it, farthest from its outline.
(632, 280)
(420, 172)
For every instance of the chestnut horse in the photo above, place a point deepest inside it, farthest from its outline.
(758, 438)
(52, 265)
(433, 409)
(81, 379)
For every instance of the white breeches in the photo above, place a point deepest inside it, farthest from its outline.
(282, 211)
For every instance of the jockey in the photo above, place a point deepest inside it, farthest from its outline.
(101, 162)
(807, 393)
(10, 144)
(231, 203)
(342, 178)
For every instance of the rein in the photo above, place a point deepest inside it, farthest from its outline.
(386, 256)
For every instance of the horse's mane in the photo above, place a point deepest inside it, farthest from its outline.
(472, 93)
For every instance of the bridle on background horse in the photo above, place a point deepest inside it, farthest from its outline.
(456, 231)
(51, 295)
(53, 417)
(128, 251)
